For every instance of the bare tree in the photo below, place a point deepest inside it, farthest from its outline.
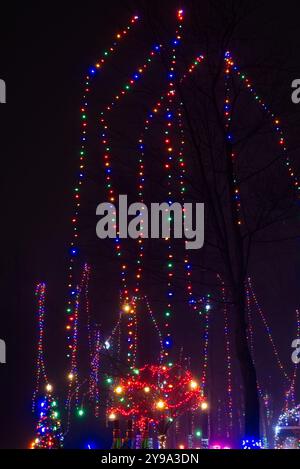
(240, 164)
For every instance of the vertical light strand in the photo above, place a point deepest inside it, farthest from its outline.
(94, 392)
(128, 303)
(129, 319)
(229, 138)
(73, 375)
(228, 358)
(205, 345)
(111, 192)
(250, 337)
(141, 188)
(182, 179)
(157, 109)
(169, 167)
(87, 87)
(40, 293)
(182, 189)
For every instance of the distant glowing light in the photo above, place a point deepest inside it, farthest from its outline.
(180, 14)
(204, 405)
(160, 405)
(193, 384)
(118, 390)
(49, 387)
(126, 308)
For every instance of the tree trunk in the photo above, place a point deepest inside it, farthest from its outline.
(247, 368)
(238, 262)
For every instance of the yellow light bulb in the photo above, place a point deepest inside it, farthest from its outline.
(112, 416)
(160, 405)
(193, 385)
(49, 387)
(147, 389)
(70, 376)
(118, 390)
(204, 405)
(126, 308)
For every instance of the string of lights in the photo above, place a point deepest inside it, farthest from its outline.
(275, 121)
(154, 113)
(73, 375)
(40, 293)
(94, 391)
(127, 300)
(89, 79)
(155, 324)
(268, 330)
(207, 307)
(229, 412)
(169, 151)
(228, 120)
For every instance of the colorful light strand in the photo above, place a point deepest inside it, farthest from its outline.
(40, 293)
(73, 375)
(74, 250)
(268, 330)
(94, 391)
(228, 359)
(169, 145)
(228, 119)
(126, 298)
(207, 304)
(274, 119)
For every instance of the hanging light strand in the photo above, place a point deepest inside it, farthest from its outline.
(87, 88)
(40, 293)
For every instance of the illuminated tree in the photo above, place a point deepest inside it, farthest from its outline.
(155, 394)
(48, 431)
(214, 122)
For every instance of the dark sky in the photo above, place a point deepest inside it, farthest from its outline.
(45, 48)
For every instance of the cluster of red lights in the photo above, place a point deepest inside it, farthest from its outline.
(155, 393)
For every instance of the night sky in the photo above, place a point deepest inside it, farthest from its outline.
(45, 48)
